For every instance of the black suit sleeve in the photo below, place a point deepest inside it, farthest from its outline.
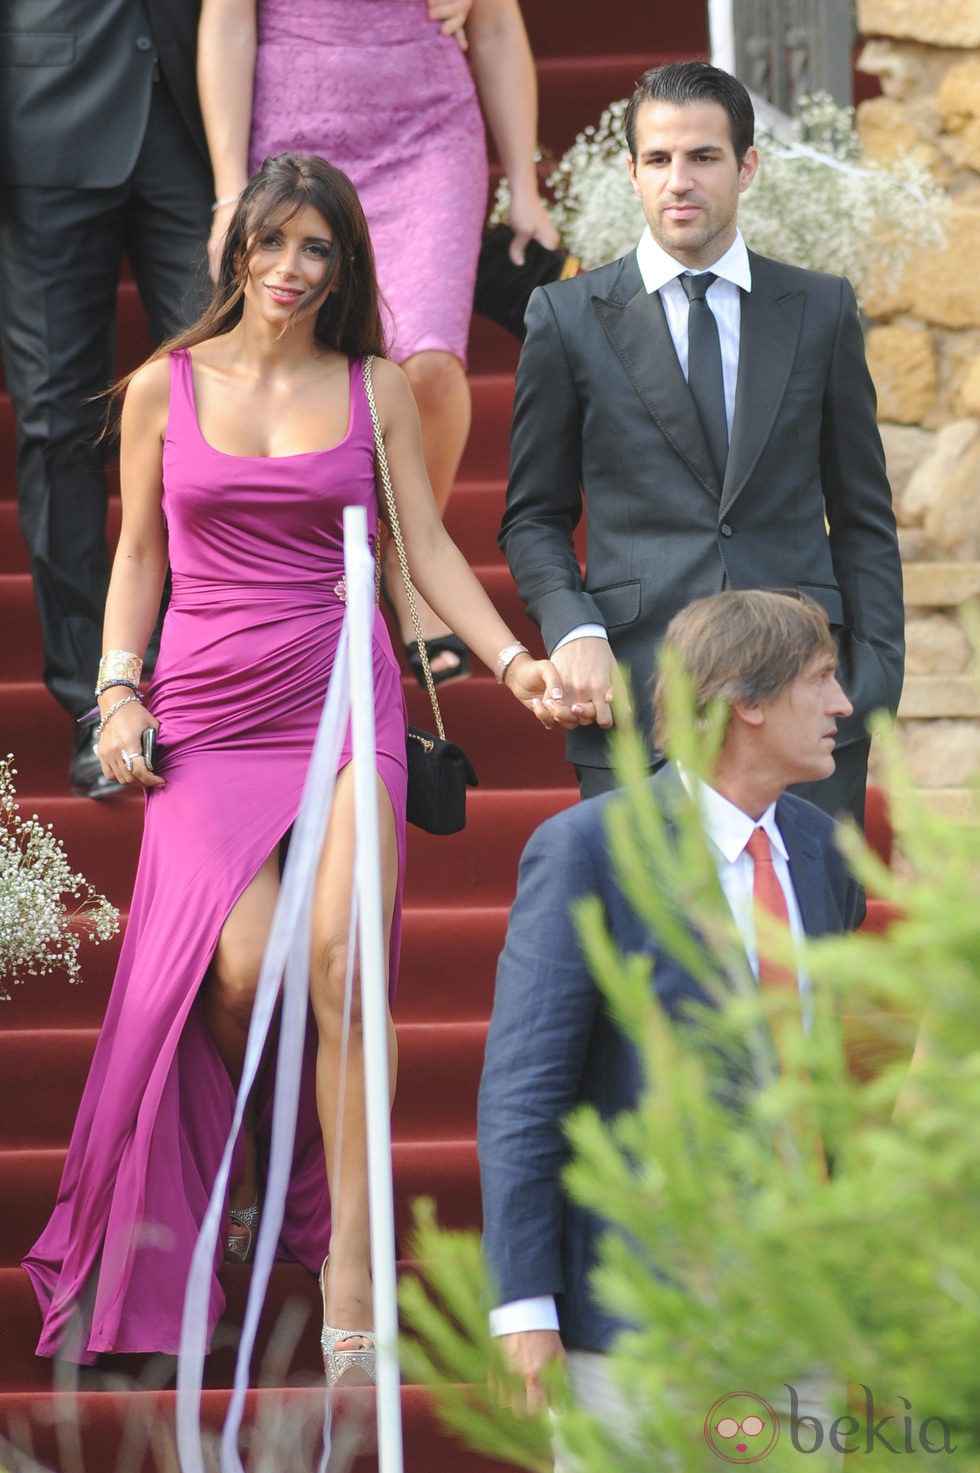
(863, 539)
(544, 497)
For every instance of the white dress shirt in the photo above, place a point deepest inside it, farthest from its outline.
(728, 830)
(661, 273)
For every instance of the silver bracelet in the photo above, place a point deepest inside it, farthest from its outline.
(126, 700)
(112, 684)
(229, 199)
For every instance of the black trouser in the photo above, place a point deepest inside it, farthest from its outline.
(60, 257)
(842, 793)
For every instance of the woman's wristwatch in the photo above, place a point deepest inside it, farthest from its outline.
(508, 653)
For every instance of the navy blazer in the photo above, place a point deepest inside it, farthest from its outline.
(604, 423)
(552, 1044)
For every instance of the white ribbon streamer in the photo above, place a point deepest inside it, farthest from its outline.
(374, 992)
(287, 960)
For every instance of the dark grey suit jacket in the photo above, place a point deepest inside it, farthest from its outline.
(552, 1044)
(75, 82)
(604, 423)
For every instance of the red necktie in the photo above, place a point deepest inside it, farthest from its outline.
(785, 1023)
(769, 896)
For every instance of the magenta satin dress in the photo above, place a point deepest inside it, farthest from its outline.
(249, 640)
(373, 87)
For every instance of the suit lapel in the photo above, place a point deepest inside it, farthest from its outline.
(672, 799)
(768, 337)
(634, 322)
(807, 873)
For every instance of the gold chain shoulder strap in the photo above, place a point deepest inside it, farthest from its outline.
(391, 515)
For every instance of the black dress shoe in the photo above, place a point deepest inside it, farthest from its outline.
(85, 774)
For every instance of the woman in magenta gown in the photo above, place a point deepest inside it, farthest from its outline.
(379, 89)
(242, 442)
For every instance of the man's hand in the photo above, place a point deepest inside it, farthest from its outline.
(586, 669)
(528, 1353)
(537, 685)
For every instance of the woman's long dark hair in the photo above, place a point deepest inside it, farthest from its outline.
(348, 317)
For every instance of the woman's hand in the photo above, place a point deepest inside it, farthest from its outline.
(220, 221)
(122, 734)
(503, 69)
(453, 15)
(537, 685)
(529, 220)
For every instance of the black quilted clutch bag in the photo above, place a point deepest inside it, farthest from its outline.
(503, 289)
(439, 772)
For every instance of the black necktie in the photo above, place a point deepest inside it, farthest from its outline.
(704, 372)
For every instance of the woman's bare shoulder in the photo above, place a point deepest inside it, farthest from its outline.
(148, 391)
(391, 388)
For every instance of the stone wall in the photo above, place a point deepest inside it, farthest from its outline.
(924, 352)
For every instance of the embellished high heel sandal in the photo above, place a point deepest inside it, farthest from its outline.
(337, 1363)
(238, 1246)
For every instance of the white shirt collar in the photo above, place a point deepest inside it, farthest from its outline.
(657, 267)
(728, 827)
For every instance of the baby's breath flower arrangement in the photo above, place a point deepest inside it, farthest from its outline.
(815, 201)
(595, 210)
(45, 907)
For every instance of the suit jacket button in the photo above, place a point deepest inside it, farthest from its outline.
(143, 43)
(726, 530)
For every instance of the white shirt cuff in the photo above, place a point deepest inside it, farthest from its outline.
(584, 631)
(539, 1313)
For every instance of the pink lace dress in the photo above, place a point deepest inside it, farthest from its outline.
(373, 87)
(248, 644)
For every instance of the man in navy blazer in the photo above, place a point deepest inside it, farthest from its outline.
(552, 1044)
(606, 424)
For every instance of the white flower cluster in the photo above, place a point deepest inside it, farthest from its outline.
(592, 201)
(595, 211)
(40, 930)
(814, 202)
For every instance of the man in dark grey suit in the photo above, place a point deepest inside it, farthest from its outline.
(764, 469)
(553, 1044)
(102, 152)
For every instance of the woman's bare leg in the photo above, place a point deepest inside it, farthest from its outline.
(442, 394)
(348, 1287)
(229, 992)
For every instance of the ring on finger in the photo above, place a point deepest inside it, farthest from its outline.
(128, 759)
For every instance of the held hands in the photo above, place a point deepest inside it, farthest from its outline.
(538, 686)
(585, 668)
(122, 734)
(453, 14)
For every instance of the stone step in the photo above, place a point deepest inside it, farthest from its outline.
(941, 585)
(960, 804)
(928, 696)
